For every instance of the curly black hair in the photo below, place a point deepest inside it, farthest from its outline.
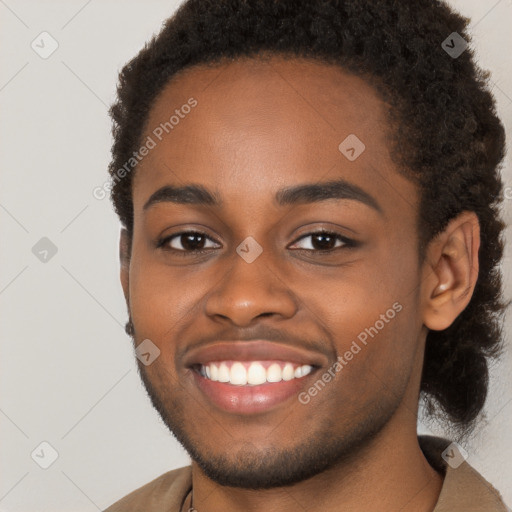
(447, 139)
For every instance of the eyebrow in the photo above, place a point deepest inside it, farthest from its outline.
(296, 194)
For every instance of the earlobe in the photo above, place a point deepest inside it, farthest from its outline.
(452, 272)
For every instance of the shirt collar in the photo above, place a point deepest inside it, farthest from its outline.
(463, 487)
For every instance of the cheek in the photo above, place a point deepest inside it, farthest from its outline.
(371, 315)
(160, 298)
(375, 351)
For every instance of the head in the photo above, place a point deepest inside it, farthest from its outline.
(400, 147)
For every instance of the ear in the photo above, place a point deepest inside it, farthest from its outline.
(450, 271)
(124, 258)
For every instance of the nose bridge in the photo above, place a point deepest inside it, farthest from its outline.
(251, 286)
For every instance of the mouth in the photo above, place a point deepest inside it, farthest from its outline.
(251, 377)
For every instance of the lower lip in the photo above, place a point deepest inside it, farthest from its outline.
(249, 399)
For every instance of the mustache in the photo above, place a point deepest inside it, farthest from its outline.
(261, 332)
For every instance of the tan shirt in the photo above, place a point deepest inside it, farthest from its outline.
(464, 489)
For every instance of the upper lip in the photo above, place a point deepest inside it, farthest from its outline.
(257, 350)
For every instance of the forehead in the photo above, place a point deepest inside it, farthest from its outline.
(273, 91)
(263, 124)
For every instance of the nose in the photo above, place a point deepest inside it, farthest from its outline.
(250, 290)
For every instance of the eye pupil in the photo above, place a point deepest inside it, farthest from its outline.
(189, 241)
(326, 241)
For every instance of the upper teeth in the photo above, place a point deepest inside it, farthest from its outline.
(253, 373)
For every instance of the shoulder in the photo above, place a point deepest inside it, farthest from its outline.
(165, 492)
(464, 488)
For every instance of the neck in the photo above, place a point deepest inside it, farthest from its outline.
(389, 474)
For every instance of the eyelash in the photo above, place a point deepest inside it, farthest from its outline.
(348, 243)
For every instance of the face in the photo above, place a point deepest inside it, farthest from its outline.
(282, 292)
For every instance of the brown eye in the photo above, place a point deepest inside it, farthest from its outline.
(324, 241)
(187, 241)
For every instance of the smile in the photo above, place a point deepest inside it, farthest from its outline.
(250, 377)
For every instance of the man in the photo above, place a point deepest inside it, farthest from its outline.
(309, 195)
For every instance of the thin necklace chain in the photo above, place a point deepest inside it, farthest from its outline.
(191, 508)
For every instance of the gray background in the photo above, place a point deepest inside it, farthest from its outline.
(68, 375)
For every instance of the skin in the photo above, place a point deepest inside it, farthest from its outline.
(258, 127)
